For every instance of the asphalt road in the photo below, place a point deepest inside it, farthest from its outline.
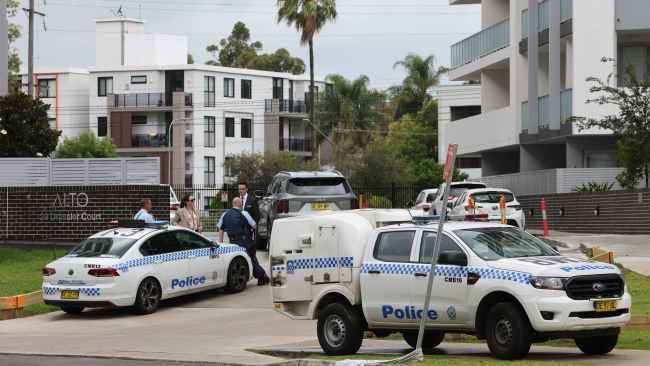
(25, 360)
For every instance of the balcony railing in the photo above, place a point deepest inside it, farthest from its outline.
(297, 145)
(481, 44)
(152, 140)
(286, 106)
(543, 16)
(149, 100)
(543, 110)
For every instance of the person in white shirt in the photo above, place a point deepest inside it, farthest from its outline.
(144, 214)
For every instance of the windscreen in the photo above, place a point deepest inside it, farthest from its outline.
(492, 197)
(102, 247)
(317, 186)
(497, 243)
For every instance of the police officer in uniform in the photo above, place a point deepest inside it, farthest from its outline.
(239, 224)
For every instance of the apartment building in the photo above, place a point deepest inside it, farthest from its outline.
(532, 59)
(144, 96)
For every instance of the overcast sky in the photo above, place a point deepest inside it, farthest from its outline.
(367, 37)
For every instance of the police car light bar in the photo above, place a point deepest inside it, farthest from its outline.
(139, 224)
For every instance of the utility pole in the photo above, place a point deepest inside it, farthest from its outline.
(4, 49)
(30, 49)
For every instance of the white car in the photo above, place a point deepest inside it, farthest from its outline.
(494, 281)
(139, 267)
(486, 202)
(455, 190)
(425, 199)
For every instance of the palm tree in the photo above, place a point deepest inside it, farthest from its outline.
(421, 75)
(309, 17)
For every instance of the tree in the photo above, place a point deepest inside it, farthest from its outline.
(86, 145)
(631, 124)
(308, 17)
(24, 128)
(13, 33)
(258, 169)
(190, 59)
(238, 51)
(421, 75)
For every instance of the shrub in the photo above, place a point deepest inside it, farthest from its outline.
(594, 187)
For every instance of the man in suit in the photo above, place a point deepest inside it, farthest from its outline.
(249, 202)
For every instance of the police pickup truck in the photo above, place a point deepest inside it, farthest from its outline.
(367, 270)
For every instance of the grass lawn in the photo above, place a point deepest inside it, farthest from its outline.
(20, 273)
(454, 361)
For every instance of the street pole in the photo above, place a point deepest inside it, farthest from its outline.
(30, 47)
(4, 49)
(169, 147)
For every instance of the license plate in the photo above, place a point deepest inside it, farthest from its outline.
(604, 306)
(70, 294)
(317, 206)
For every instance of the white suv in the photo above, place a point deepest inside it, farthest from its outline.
(486, 202)
(455, 190)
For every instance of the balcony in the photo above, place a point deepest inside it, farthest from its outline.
(284, 106)
(148, 100)
(543, 16)
(150, 140)
(295, 145)
(492, 130)
(481, 44)
(544, 116)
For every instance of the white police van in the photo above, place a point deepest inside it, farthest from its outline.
(494, 281)
(139, 266)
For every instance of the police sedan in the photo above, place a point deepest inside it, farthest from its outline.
(140, 266)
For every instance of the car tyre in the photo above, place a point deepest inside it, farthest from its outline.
(238, 275)
(147, 299)
(71, 309)
(431, 340)
(597, 345)
(508, 332)
(262, 242)
(340, 330)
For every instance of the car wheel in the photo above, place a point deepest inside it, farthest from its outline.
(238, 275)
(508, 332)
(339, 330)
(71, 309)
(597, 345)
(431, 340)
(148, 297)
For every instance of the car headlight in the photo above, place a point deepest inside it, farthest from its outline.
(548, 283)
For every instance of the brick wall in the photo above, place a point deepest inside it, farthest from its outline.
(620, 212)
(72, 213)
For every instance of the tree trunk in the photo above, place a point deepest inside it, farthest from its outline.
(312, 98)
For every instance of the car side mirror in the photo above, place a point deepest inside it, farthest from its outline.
(453, 258)
(215, 244)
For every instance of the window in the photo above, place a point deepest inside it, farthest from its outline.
(498, 243)
(47, 88)
(317, 186)
(139, 79)
(230, 127)
(99, 247)
(468, 163)
(209, 91)
(209, 130)
(278, 88)
(246, 128)
(446, 245)
(394, 246)
(636, 60)
(138, 119)
(104, 86)
(161, 244)
(210, 202)
(102, 126)
(189, 180)
(189, 240)
(208, 171)
(492, 197)
(228, 88)
(247, 89)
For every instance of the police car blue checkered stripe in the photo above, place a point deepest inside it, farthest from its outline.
(176, 256)
(446, 271)
(319, 262)
(87, 291)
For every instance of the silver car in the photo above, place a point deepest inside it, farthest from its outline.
(300, 193)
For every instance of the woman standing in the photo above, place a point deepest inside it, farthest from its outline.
(188, 216)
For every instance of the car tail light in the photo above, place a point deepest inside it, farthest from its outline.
(516, 207)
(47, 271)
(479, 217)
(103, 272)
(283, 206)
(174, 207)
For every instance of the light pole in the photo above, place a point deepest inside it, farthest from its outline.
(169, 146)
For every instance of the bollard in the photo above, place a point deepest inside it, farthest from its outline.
(544, 218)
(471, 205)
(502, 208)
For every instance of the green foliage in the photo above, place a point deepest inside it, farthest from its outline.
(379, 202)
(307, 16)
(631, 124)
(258, 169)
(594, 187)
(24, 128)
(190, 59)
(238, 51)
(86, 145)
(13, 33)
(413, 94)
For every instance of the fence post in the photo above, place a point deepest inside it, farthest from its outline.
(392, 194)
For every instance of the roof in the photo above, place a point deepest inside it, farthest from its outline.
(55, 70)
(199, 67)
(135, 233)
(482, 190)
(313, 174)
(450, 225)
(119, 20)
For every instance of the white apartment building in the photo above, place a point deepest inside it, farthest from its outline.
(532, 59)
(142, 89)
